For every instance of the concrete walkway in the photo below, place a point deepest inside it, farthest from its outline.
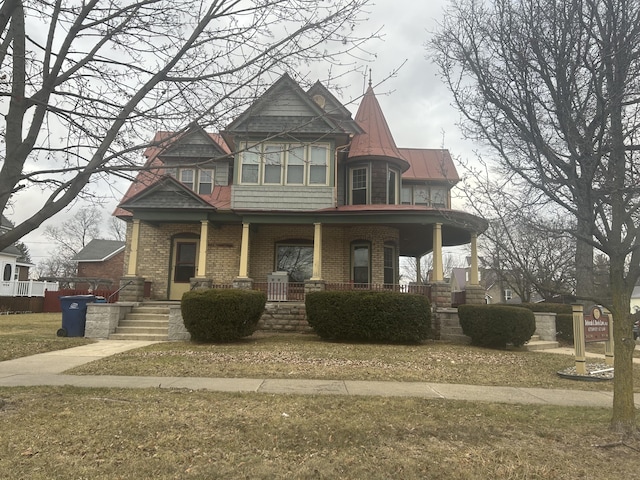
(48, 368)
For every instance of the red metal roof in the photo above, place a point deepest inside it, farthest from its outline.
(376, 139)
(429, 164)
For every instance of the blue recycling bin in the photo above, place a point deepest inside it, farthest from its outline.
(74, 315)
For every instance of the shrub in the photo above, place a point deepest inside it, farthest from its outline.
(559, 308)
(564, 327)
(369, 316)
(494, 326)
(219, 315)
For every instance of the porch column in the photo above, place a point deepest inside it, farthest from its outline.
(473, 276)
(438, 275)
(418, 272)
(202, 256)
(244, 252)
(133, 254)
(317, 252)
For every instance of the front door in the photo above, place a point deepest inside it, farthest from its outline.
(183, 268)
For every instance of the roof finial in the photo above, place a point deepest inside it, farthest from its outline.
(369, 77)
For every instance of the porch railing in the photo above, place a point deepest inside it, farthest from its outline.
(386, 287)
(27, 288)
(294, 292)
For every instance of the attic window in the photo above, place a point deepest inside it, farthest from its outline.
(319, 99)
(198, 180)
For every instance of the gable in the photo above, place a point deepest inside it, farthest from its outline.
(195, 144)
(284, 107)
(168, 193)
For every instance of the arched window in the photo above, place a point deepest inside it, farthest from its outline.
(6, 275)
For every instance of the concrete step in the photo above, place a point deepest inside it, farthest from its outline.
(149, 311)
(147, 316)
(540, 345)
(145, 330)
(151, 322)
(138, 336)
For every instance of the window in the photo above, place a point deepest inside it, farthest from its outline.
(318, 164)
(389, 265)
(438, 196)
(407, 195)
(359, 194)
(508, 295)
(273, 164)
(6, 275)
(205, 181)
(283, 163)
(360, 261)
(420, 195)
(295, 165)
(296, 260)
(392, 187)
(187, 177)
(250, 165)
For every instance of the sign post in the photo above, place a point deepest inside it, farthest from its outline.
(595, 326)
(578, 339)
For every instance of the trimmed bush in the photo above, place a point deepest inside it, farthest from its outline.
(496, 325)
(222, 315)
(564, 327)
(559, 308)
(369, 316)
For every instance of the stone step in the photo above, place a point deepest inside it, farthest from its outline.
(138, 336)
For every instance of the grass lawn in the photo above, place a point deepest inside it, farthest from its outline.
(65, 432)
(75, 433)
(31, 333)
(306, 356)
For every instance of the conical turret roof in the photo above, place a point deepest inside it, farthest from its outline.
(376, 141)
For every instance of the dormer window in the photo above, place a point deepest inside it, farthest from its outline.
(200, 180)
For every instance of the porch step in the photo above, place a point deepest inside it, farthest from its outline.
(144, 322)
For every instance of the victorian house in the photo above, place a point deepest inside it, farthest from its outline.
(293, 192)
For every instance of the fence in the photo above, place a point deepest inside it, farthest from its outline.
(52, 299)
(386, 287)
(26, 288)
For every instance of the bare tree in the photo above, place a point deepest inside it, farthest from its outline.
(85, 84)
(70, 237)
(552, 87)
(409, 266)
(527, 245)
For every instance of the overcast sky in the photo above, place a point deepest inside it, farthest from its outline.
(416, 104)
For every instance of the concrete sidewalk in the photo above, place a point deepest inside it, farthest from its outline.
(48, 368)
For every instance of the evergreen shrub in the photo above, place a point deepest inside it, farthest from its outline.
(495, 326)
(222, 315)
(369, 316)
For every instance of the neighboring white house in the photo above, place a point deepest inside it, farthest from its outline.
(14, 273)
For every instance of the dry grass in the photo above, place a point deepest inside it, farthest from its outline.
(63, 433)
(32, 333)
(306, 356)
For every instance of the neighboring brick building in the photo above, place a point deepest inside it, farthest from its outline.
(294, 184)
(102, 261)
